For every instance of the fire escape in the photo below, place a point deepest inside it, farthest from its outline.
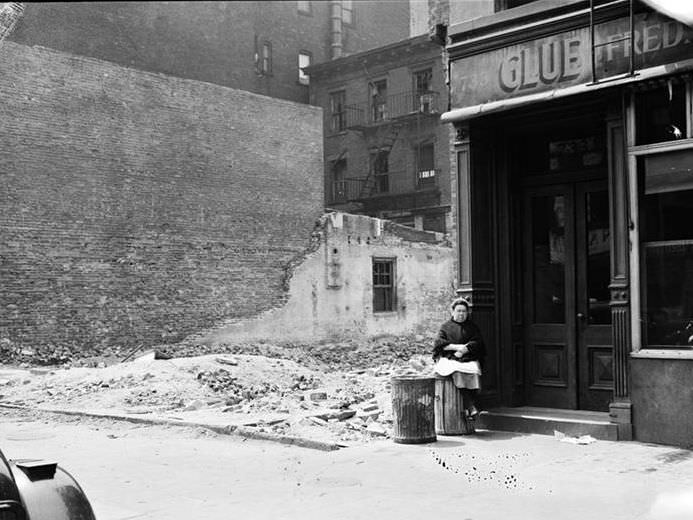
(382, 122)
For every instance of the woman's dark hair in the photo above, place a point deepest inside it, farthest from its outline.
(459, 301)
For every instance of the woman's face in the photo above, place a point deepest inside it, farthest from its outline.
(459, 313)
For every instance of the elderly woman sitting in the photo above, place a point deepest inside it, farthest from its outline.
(459, 352)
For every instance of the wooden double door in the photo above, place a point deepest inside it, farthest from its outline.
(566, 273)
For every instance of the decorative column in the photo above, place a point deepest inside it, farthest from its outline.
(620, 407)
(474, 203)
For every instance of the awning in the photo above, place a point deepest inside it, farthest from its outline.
(681, 10)
(462, 114)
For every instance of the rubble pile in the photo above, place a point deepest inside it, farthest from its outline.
(338, 392)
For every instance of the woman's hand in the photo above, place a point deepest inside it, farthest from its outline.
(459, 349)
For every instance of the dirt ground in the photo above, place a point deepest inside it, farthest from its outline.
(329, 391)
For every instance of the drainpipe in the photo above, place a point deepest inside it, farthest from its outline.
(336, 28)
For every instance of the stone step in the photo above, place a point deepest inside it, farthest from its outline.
(545, 421)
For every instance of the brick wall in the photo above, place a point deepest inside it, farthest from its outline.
(138, 208)
(209, 41)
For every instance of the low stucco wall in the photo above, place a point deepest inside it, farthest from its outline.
(662, 398)
(331, 290)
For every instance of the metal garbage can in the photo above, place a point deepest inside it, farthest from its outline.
(413, 410)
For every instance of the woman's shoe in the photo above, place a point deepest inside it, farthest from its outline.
(473, 413)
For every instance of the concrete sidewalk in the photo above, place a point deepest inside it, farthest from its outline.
(153, 472)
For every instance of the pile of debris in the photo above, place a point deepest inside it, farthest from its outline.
(268, 393)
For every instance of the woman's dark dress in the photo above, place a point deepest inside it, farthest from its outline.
(467, 333)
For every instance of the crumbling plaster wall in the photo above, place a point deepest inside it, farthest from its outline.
(331, 291)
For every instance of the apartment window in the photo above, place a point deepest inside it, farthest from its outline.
(381, 168)
(304, 7)
(304, 59)
(338, 111)
(348, 12)
(423, 98)
(266, 67)
(378, 100)
(425, 165)
(340, 185)
(383, 284)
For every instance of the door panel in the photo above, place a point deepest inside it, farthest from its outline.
(595, 358)
(549, 277)
(566, 300)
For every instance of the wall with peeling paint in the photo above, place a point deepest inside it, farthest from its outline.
(331, 291)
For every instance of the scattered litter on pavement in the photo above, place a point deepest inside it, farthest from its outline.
(583, 439)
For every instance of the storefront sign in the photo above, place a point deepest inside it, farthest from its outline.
(566, 59)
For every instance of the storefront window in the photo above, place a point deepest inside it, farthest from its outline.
(661, 114)
(666, 207)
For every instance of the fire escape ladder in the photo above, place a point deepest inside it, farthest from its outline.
(627, 37)
(371, 182)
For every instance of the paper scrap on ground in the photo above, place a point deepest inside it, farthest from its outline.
(583, 439)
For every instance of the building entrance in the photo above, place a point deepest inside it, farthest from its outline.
(566, 273)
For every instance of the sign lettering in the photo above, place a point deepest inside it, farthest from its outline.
(565, 59)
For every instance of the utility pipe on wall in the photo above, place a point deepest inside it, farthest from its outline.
(336, 28)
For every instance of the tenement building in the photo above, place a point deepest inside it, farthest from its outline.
(255, 46)
(386, 153)
(572, 197)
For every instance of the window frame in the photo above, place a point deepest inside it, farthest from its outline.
(309, 55)
(636, 192)
(380, 166)
(266, 58)
(389, 288)
(430, 179)
(378, 111)
(341, 115)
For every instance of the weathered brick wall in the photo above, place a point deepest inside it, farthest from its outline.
(138, 208)
(210, 41)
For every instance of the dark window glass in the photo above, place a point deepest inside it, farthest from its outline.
(381, 168)
(338, 111)
(598, 256)
(666, 206)
(383, 285)
(342, 190)
(548, 258)
(425, 165)
(660, 114)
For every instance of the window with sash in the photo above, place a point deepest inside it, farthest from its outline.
(663, 154)
(304, 60)
(383, 284)
(338, 111)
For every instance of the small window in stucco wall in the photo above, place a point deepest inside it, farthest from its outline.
(383, 284)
